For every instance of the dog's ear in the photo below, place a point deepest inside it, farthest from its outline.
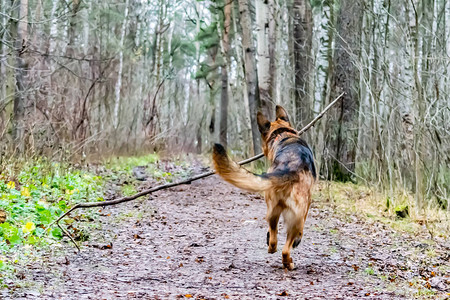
(281, 113)
(263, 123)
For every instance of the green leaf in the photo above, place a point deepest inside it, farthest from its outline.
(62, 205)
(15, 239)
(57, 233)
(33, 240)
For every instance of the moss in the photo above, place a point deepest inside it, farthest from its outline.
(402, 211)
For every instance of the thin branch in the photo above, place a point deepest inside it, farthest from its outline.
(170, 185)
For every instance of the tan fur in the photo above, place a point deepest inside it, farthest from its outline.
(286, 195)
(240, 177)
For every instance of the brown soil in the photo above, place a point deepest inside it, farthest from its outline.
(208, 240)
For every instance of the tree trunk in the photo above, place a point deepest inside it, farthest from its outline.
(72, 27)
(422, 44)
(265, 25)
(119, 71)
(224, 74)
(250, 71)
(321, 155)
(342, 141)
(302, 58)
(20, 46)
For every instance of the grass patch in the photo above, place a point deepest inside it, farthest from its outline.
(161, 170)
(128, 190)
(424, 292)
(126, 164)
(371, 204)
(369, 271)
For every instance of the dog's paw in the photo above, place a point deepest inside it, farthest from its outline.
(287, 262)
(297, 242)
(272, 248)
(289, 266)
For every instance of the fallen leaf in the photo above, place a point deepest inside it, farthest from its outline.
(188, 296)
(283, 293)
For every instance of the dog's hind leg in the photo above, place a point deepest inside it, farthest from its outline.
(303, 192)
(294, 225)
(298, 240)
(294, 217)
(273, 216)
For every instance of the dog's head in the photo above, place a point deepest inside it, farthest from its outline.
(270, 130)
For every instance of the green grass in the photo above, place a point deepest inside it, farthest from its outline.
(127, 163)
(369, 271)
(128, 190)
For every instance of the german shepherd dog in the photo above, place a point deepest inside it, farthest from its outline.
(287, 183)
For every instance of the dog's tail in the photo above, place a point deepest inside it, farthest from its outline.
(240, 177)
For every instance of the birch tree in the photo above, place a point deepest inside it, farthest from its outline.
(265, 24)
(20, 45)
(250, 70)
(120, 68)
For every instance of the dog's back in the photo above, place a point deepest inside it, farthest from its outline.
(291, 157)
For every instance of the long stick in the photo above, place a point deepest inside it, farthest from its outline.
(169, 185)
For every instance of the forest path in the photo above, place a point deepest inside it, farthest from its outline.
(208, 240)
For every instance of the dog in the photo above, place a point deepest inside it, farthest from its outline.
(286, 185)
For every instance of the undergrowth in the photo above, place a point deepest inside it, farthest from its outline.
(372, 204)
(34, 194)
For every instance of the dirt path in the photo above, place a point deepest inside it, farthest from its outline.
(208, 240)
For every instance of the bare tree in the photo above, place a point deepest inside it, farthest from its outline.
(20, 45)
(302, 32)
(343, 131)
(250, 70)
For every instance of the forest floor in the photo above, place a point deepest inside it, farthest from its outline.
(207, 240)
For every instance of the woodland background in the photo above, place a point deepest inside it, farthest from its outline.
(78, 78)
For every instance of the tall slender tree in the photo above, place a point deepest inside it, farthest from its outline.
(224, 72)
(343, 134)
(20, 45)
(302, 31)
(265, 24)
(250, 70)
